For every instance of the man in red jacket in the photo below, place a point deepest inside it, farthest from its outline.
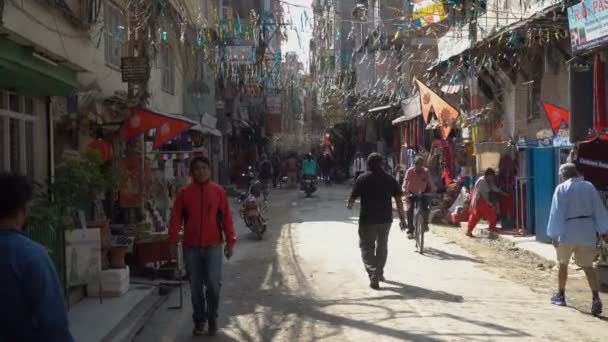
(203, 210)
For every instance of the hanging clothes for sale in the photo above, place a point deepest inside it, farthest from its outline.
(169, 171)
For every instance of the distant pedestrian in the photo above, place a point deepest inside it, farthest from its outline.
(203, 210)
(265, 172)
(376, 189)
(577, 218)
(32, 306)
(276, 170)
(359, 165)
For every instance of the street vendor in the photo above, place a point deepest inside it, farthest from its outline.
(481, 204)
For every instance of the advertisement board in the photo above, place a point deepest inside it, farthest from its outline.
(588, 24)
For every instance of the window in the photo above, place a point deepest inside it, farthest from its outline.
(17, 133)
(114, 30)
(167, 69)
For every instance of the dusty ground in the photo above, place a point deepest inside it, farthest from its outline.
(522, 267)
(305, 282)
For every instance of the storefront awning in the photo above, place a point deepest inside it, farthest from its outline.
(411, 109)
(207, 130)
(27, 73)
(382, 109)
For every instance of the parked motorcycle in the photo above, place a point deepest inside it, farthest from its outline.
(309, 185)
(253, 207)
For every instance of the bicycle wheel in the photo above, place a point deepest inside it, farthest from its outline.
(419, 232)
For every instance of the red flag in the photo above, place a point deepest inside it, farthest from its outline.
(556, 116)
(141, 121)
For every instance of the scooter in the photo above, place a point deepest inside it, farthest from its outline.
(309, 185)
(253, 207)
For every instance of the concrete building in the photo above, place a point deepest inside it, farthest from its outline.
(60, 63)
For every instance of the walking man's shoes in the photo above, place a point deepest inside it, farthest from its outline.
(596, 307)
(374, 284)
(199, 329)
(558, 300)
(212, 327)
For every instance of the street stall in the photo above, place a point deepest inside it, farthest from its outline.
(157, 167)
(592, 162)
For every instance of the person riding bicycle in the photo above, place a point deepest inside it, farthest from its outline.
(418, 180)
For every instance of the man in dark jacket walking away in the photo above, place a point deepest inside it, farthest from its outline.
(32, 306)
(203, 209)
(376, 189)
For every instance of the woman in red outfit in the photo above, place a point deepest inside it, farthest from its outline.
(481, 205)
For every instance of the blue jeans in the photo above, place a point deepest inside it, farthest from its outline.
(204, 267)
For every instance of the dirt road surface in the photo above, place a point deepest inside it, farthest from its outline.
(305, 282)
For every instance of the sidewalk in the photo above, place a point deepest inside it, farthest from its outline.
(115, 319)
(526, 243)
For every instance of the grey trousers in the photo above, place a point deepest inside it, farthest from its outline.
(373, 241)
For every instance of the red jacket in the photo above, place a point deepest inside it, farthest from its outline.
(197, 207)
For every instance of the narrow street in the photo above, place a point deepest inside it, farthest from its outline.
(305, 282)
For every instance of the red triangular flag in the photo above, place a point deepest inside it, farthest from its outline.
(141, 121)
(556, 116)
(171, 128)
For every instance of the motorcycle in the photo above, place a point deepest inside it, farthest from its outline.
(309, 185)
(253, 207)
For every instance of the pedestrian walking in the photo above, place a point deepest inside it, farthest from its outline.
(32, 300)
(418, 179)
(482, 206)
(203, 210)
(376, 189)
(265, 171)
(577, 218)
(276, 170)
(359, 165)
(292, 170)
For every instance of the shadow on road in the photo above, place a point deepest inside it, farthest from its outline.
(442, 255)
(414, 292)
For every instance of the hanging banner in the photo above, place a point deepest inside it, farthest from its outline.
(142, 120)
(445, 113)
(588, 23)
(557, 116)
(427, 12)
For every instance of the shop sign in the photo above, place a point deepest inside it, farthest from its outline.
(82, 256)
(134, 69)
(588, 23)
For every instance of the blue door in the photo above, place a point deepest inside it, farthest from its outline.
(541, 166)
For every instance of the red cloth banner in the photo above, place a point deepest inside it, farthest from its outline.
(142, 120)
(556, 116)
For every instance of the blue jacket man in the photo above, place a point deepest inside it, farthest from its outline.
(577, 218)
(32, 302)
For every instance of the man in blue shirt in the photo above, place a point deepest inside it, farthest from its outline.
(32, 302)
(577, 217)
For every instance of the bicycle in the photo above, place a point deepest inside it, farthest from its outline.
(420, 218)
